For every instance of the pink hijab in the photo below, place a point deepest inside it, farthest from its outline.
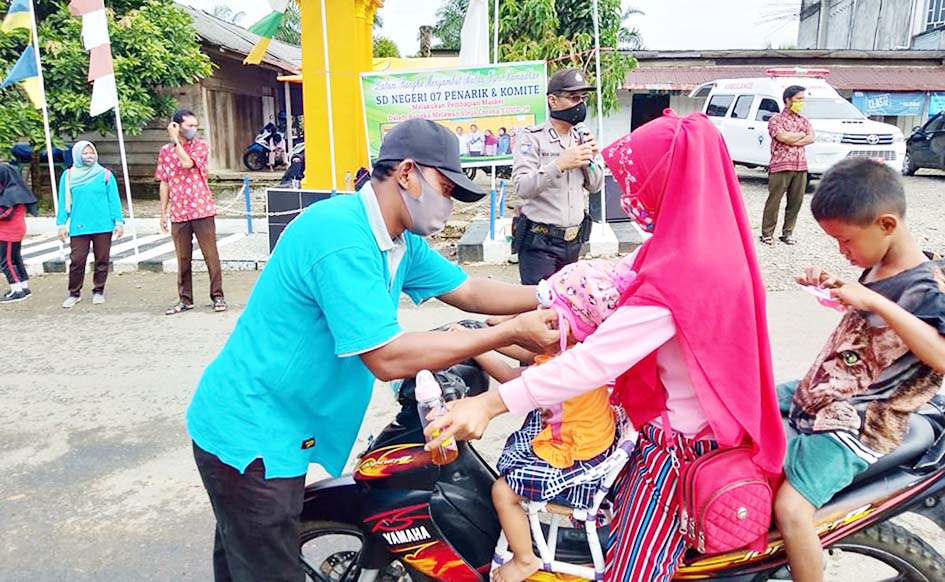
(679, 182)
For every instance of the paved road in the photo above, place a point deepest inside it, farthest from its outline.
(98, 481)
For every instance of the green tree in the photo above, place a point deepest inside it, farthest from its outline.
(385, 47)
(153, 46)
(560, 32)
(291, 30)
(449, 23)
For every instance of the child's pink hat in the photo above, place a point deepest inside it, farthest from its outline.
(586, 293)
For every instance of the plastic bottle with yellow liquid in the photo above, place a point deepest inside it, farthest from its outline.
(430, 399)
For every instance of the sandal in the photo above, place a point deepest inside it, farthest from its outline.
(788, 240)
(219, 305)
(768, 240)
(179, 308)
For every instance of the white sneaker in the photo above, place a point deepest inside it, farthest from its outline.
(98, 298)
(70, 302)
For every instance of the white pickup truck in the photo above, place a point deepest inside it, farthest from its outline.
(741, 108)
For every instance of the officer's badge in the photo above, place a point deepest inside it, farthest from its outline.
(526, 147)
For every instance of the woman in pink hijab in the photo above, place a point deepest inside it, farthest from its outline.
(689, 342)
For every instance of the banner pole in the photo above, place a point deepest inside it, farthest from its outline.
(124, 170)
(600, 107)
(45, 109)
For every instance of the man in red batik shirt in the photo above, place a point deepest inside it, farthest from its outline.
(787, 170)
(186, 200)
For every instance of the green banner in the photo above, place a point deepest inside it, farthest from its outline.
(482, 106)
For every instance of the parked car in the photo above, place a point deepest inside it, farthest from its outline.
(741, 108)
(926, 147)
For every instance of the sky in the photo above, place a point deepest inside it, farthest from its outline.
(666, 25)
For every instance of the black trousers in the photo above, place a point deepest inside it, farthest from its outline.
(257, 535)
(541, 256)
(11, 262)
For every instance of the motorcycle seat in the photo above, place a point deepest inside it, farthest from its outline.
(920, 437)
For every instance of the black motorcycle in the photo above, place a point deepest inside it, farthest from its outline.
(400, 518)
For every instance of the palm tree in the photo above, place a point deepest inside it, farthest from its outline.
(291, 31)
(224, 12)
(449, 23)
(629, 37)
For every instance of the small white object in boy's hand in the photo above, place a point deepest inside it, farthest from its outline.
(545, 298)
(824, 297)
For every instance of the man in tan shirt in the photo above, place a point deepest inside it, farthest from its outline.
(555, 165)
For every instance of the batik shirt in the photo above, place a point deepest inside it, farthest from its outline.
(189, 193)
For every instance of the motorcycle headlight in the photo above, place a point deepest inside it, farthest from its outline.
(828, 137)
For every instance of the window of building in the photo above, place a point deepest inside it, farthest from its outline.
(767, 109)
(936, 14)
(718, 105)
(742, 107)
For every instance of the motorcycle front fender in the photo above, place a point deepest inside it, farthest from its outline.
(337, 500)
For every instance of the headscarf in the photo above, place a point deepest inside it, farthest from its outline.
(13, 190)
(679, 181)
(81, 174)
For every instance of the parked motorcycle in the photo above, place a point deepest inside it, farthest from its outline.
(264, 151)
(401, 518)
(502, 172)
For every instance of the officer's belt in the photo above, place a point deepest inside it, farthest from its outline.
(569, 234)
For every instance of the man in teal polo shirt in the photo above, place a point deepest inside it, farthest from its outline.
(293, 382)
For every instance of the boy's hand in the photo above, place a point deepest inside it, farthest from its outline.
(856, 296)
(816, 277)
(537, 330)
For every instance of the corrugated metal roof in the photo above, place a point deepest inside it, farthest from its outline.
(847, 78)
(231, 37)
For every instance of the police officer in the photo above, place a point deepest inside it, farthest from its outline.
(554, 165)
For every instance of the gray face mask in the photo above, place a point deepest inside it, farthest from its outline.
(429, 212)
(188, 133)
(88, 160)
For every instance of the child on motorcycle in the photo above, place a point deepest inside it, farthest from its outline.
(564, 440)
(885, 359)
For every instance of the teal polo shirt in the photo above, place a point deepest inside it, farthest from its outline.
(288, 386)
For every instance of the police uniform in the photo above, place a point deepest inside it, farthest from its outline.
(552, 225)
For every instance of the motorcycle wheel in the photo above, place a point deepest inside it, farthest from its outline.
(254, 160)
(894, 554)
(329, 553)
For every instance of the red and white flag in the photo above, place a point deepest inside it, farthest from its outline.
(96, 40)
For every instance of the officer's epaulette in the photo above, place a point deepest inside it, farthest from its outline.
(534, 128)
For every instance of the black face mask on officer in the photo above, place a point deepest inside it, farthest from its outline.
(572, 115)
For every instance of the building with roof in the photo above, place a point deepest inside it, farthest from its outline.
(232, 104)
(913, 80)
(871, 24)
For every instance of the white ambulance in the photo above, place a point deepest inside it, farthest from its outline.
(741, 108)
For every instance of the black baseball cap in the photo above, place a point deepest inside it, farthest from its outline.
(429, 144)
(568, 80)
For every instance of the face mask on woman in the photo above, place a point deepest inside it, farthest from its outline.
(89, 159)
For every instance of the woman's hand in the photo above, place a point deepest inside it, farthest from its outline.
(119, 230)
(466, 418)
(63, 234)
(537, 330)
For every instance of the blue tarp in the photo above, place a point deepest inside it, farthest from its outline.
(936, 102)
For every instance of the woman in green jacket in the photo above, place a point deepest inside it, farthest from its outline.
(89, 203)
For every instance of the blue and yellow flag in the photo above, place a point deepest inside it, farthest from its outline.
(18, 16)
(25, 72)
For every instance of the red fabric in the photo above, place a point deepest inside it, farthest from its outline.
(784, 157)
(101, 63)
(189, 194)
(80, 7)
(701, 265)
(13, 229)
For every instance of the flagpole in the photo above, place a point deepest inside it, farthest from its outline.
(42, 86)
(124, 170)
(495, 58)
(331, 121)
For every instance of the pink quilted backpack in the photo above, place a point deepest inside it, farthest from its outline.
(724, 500)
